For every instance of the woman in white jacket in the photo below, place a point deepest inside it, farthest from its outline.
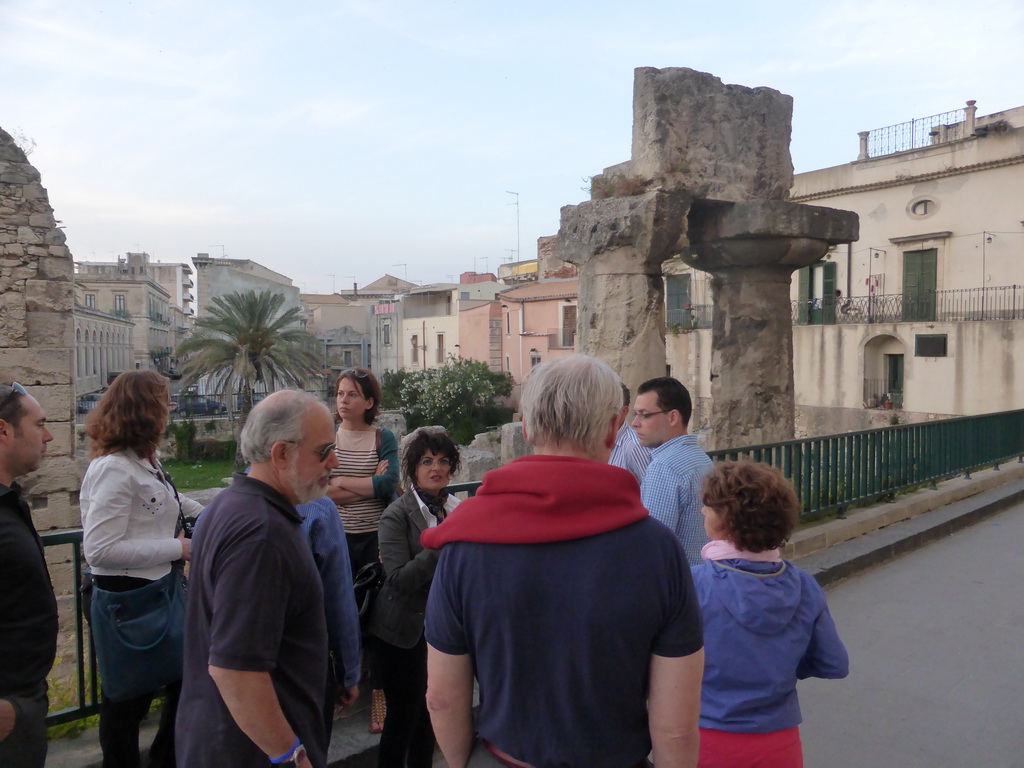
(130, 515)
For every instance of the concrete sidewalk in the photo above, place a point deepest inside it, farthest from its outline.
(832, 550)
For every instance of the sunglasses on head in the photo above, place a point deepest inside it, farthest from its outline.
(353, 372)
(16, 389)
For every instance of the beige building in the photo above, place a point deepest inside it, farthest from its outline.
(538, 323)
(218, 277)
(103, 346)
(923, 316)
(128, 289)
(429, 324)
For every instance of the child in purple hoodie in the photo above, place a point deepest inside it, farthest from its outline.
(766, 623)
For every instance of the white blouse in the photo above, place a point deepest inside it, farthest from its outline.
(450, 503)
(128, 515)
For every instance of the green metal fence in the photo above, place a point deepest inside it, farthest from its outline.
(830, 474)
(834, 472)
(85, 700)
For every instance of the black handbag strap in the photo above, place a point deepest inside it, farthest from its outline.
(170, 481)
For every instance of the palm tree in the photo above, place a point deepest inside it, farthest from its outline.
(245, 340)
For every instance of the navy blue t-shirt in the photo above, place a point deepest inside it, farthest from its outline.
(561, 637)
(255, 604)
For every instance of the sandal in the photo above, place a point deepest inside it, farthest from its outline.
(378, 710)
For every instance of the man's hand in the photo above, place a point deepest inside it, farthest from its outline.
(7, 718)
(346, 698)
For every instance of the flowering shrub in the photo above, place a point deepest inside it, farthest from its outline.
(461, 396)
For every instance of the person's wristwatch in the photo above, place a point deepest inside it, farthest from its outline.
(292, 758)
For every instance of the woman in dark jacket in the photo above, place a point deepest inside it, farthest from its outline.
(431, 458)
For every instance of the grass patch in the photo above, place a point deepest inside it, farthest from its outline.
(199, 475)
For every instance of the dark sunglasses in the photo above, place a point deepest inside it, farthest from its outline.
(16, 389)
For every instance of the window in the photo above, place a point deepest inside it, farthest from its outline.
(90, 300)
(930, 345)
(440, 348)
(415, 348)
(347, 358)
(464, 295)
(119, 302)
(508, 323)
(922, 207)
(534, 358)
(385, 332)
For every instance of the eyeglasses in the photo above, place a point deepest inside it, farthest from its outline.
(16, 389)
(645, 415)
(440, 462)
(348, 374)
(324, 453)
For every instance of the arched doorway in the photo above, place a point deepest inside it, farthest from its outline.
(883, 373)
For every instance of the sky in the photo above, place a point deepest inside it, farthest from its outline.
(335, 141)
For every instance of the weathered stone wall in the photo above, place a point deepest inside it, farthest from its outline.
(37, 327)
(36, 350)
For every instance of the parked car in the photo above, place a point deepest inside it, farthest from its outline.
(87, 402)
(199, 406)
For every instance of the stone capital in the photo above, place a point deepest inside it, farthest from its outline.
(644, 230)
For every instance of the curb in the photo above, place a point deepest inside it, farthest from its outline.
(856, 555)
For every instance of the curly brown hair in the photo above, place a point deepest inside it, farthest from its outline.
(368, 387)
(756, 504)
(131, 415)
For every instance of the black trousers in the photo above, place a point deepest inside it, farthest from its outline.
(119, 730)
(408, 737)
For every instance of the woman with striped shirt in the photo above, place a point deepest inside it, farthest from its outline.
(363, 483)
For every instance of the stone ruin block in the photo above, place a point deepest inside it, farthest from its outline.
(717, 141)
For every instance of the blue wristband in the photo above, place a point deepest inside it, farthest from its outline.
(289, 753)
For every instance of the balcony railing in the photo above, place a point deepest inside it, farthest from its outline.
(562, 338)
(1005, 302)
(690, 317)
(882, 394)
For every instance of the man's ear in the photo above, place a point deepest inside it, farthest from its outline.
(279, 454)
(525, 436)
(675, 419)
(613, 430)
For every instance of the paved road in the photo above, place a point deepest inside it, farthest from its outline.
(936, 641)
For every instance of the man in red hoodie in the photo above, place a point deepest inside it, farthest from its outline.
(571, 605)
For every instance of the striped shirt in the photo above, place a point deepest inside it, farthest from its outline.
(629, 454)
(357, 457)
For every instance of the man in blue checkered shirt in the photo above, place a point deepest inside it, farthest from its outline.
(672, 486)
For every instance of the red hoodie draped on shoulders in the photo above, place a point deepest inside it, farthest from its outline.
(541, 499)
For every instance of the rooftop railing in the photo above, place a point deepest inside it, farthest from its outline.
(917, 133)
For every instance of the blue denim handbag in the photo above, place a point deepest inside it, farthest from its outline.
(139, 636)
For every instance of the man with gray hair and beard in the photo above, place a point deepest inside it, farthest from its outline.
(255, 633)
(573, 607)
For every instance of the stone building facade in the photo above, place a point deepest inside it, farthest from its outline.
(103, 348)
(37, 328)
(128, 288)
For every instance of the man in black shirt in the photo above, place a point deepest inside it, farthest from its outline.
(28, 609)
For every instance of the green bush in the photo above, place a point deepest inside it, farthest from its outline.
(460, 396)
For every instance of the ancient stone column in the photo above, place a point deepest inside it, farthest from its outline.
(619, 245)
(751, 250)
